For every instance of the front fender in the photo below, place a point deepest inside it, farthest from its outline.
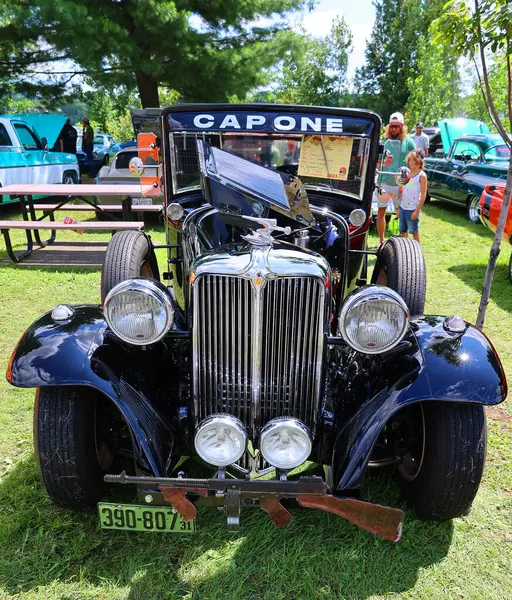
(437, 365)
(76, 352)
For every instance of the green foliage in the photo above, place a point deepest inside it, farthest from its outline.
(314, 72)
(147, 43)
(434, 86)
(474, 105)
(384, 83)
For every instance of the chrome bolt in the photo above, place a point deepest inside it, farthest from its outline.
(174, 510)
(148, 498)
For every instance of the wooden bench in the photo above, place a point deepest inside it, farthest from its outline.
(29, 226)
(152, 208)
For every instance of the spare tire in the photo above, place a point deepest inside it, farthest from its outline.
(129, 254)
(400, 266)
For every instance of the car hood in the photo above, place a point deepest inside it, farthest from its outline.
(453, 128)
(47, 125)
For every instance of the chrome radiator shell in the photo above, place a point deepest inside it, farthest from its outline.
(259, 323)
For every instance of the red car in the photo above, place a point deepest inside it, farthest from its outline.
(490, 207)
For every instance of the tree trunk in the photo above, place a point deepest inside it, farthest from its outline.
(148, 90)
(495, 250)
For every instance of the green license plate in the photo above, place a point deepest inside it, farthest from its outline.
(132, 517)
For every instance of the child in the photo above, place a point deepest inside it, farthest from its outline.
(412, 195)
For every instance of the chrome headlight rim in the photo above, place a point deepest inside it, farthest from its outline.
(280, 422)
(373, 292)
(221, 419)
(143, 285)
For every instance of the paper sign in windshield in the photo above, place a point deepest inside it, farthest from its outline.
(325, 157)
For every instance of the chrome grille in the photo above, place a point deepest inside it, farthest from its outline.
(258, 353)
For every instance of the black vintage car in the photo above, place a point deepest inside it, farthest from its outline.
(272, 370)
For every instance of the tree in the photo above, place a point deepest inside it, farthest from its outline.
(314, 73)
(383, 83)
(475, 32)
(434, 86)
(147, 43)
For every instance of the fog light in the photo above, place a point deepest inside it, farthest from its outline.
(285, 442)
(220, 440)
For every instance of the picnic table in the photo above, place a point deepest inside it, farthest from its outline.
(68, 192)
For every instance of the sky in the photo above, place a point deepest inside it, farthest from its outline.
(359, 15)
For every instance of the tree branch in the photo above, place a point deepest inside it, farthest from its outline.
(480, 83)
(490, 98)
(509, 79)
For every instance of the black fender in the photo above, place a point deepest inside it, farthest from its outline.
(78, 352)
(434, 364)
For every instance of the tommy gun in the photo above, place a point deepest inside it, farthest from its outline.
(229, 494)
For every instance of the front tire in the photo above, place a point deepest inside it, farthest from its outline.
(400, 266)
(66, 446)
(129, 254)
(442, 482)
(472, 205)
(68, 178)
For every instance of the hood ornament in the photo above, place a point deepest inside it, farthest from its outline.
(263, 236)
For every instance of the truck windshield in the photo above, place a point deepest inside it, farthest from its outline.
(333, 163)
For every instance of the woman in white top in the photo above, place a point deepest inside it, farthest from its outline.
(412, 196)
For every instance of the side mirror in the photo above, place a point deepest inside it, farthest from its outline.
(136, 166)
(44, 142)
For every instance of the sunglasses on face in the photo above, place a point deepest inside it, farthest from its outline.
(394, 126)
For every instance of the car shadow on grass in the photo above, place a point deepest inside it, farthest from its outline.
(456, 216)
(317, 556)
(474, 274)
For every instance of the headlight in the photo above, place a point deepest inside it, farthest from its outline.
(220, 440)
(285, 442)
(374, 319)
(139, 311)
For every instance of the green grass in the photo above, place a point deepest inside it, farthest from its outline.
(50, 553)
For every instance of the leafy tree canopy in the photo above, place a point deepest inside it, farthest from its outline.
(147, 43)
(315, 72)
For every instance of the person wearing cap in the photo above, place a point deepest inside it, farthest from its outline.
(88, 143)
(420, 139)
(397, 145)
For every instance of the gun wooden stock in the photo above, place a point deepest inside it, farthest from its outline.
(380, 520)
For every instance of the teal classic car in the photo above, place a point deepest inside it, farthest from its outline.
(467, 164)
(24, 152)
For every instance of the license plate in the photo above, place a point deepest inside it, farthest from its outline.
(132, 517)
(141, 201)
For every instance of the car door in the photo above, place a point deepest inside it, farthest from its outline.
(13, 162)
(34, 154)
(462, 154)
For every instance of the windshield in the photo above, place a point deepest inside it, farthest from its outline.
(334, 163)
(99, 140)
(498, 153)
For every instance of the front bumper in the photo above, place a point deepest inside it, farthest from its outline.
(229, 495)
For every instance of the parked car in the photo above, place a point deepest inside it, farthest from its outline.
(271, 357)
(472, 162)
(105, 147)
(118, 171)
(24, 154)
(490, 208)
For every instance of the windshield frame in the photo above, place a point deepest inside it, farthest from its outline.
(210, 118)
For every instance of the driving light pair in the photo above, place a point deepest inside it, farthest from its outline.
(139, 311)
(374, 319)
(221, 440)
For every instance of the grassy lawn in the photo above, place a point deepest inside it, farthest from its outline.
(50, 553)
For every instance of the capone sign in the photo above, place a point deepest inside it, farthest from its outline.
(266, 122)
(279, 123)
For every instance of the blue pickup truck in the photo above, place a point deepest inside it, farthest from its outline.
(471, 158)
(24, 152)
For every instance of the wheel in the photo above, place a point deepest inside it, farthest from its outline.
(428, 199)
(71, 459)
(400, 266)
(129, 254)
(472, 205)
(442, 470)
(510, 269)
(68, 178)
